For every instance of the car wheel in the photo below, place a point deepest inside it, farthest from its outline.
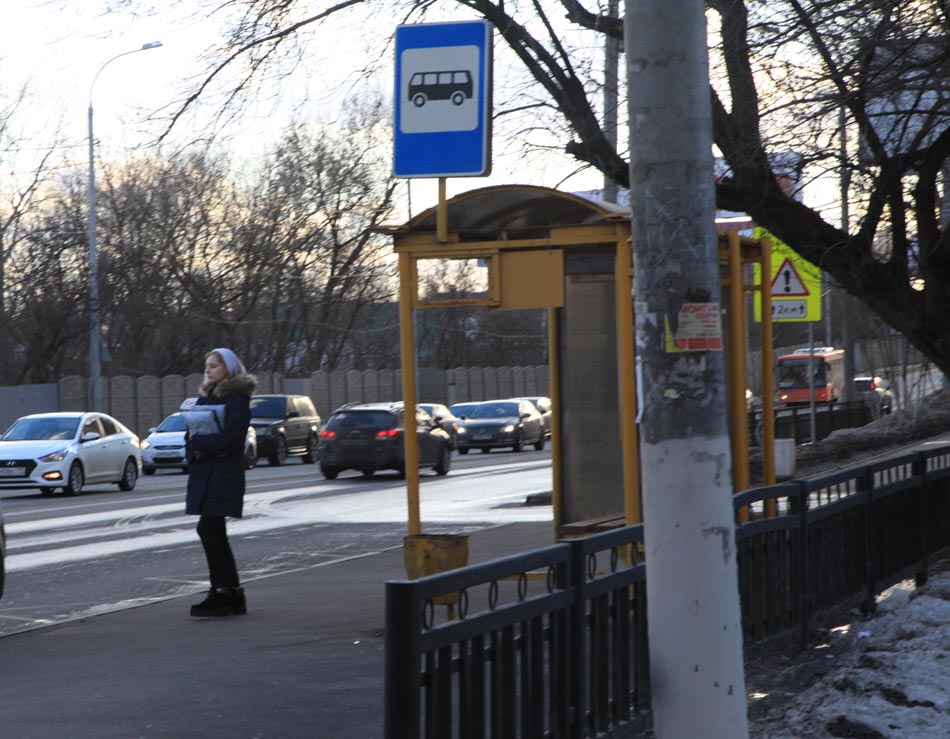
(75, 480)
(519, 443)
(130, 474)
(280, 453)
(457, 98)
(311, 454)
(445, 461)
(330, 472)
(148, 470)
(485, 450)
(539, 444)
(463, 450)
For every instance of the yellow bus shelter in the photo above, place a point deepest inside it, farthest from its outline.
(538, 247)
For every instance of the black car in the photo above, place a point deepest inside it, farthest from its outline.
(543, 405)
(286, 425)
(444, 419)
(502, 423)
(876, 392)
(369, 437)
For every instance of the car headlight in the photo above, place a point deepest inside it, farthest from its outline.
(144, 444)
(508, 429)
(462, 430)
(57, 456)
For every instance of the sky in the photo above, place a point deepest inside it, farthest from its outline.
(58, 46)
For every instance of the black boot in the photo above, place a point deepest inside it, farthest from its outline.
(237, 602)
(217, 603)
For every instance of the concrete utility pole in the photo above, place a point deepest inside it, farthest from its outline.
(698, 683)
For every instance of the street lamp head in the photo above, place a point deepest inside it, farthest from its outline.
(152, 45)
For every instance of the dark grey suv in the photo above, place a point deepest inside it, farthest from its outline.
(369, 437)
(286, 425)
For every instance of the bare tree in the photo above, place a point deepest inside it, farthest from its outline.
(46, 280)
(784, 70)
(27, 166)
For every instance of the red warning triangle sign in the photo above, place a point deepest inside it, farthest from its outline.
(788, 283)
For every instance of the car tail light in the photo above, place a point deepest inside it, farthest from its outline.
(871, 385)
(328, 434)
(387, 434)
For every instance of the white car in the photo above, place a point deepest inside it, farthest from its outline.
(164, 447)
(68, 451)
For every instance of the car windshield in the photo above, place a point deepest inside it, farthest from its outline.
(172, 423)
(494, 410)
(361, 419)
(42, 429)
(462, 409)
(268, 407)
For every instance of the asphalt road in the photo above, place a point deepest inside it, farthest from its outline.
(106, 549)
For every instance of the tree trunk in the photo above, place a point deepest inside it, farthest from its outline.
(698, 684)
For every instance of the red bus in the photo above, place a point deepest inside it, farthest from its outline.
(792, 378)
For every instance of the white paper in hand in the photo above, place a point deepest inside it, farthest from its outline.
(204, 419)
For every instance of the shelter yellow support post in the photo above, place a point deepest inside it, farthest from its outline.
(557, 431)
(768, 375)
(737, 363)
(407, 342)
(623, 281)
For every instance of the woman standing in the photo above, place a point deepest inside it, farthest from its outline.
(216, 478)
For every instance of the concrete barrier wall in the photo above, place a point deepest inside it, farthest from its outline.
(20, 400)
(142, 402)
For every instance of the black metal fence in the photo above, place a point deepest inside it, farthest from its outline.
(553, 643)
(794, 422)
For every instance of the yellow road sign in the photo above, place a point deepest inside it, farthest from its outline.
(796, 284)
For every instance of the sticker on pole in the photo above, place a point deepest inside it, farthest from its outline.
(697, 328)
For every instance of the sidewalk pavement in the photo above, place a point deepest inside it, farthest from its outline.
(306, 662)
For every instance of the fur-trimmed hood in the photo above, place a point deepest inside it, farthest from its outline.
(243, 384)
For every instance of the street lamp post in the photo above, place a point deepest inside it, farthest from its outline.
(95, 340)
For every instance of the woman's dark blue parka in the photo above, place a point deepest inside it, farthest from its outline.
(216, 467)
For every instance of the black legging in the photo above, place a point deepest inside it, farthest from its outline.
(214, 539)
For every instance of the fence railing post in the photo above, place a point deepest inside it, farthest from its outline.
(866, 488)
(920, 470)
(802, 597)
(402, 680)
(577, 661)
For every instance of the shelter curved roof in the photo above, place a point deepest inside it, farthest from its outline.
(520, 211)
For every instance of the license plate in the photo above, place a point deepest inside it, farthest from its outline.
(482, 437)
(357, 442)
(168, 455)
(12, 471)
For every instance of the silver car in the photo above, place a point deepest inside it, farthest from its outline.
(67, 451)
(164, 447)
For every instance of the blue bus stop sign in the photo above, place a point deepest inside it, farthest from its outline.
(443, 100)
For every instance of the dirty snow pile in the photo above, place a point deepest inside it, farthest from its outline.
(889, 678)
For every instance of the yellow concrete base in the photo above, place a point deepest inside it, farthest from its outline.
(429, 554)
